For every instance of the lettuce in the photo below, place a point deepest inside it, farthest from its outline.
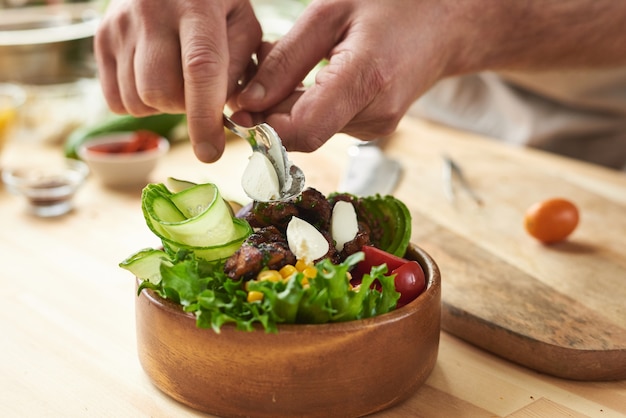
(202, 288)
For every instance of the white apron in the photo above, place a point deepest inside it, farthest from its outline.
(580, 114)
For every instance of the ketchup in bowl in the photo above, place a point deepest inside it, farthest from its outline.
(140, 141)
(124, 159)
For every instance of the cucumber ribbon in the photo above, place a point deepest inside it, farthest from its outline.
(196, 218)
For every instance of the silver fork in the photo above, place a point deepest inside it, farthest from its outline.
(451, 172)
(264, 139)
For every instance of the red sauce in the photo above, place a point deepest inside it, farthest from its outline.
(140, 141)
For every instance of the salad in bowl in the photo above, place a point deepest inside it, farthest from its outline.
(309, 260)
(316, 306)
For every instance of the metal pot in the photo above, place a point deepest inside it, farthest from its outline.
(47, 45)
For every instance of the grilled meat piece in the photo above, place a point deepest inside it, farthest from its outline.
(277, 255)
(268, 247)
(244, 262)
(362, 238)
(314, 208)
(266, 234)
(277, 214)
(264, 248)
(332, 253)
(346, 197)
(310, 205)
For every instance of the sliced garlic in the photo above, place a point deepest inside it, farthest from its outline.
(344, 224)
(260, 180)
(305, 241)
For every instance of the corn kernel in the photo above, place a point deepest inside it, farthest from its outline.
(287, 271)
(305, 282)
(254, 296)
(301, 265)
(309, 272)
(270, 275)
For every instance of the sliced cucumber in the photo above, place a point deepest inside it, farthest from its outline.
(178, 185)
(195, 218)
(146, 264)
(215, 252)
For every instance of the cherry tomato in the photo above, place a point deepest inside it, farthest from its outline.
(551, 220)
(410, 280)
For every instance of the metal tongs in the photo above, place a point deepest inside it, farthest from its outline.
(453, 174)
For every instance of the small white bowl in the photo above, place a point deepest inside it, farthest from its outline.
(121, 169)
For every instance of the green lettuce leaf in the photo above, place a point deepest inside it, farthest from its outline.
(202, 288)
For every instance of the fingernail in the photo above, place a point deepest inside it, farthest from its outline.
(254, 92)
(205, 152)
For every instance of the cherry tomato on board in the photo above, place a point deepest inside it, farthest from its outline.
(551, 220)
(410, 280)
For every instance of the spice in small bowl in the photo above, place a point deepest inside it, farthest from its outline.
(123, 158)
(49, 189)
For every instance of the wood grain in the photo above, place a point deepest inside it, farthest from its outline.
(68, 344)
(545, 408)
(557, 309)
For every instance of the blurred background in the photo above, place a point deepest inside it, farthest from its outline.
(46, 50)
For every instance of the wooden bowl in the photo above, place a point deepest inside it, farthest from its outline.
(346, 369)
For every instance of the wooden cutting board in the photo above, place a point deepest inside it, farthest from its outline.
(558, 309)
(501, 308)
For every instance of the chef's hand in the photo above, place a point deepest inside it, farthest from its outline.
(384, 54)
(177, 56)
(380, 59)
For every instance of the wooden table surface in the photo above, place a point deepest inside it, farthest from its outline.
(67, 317)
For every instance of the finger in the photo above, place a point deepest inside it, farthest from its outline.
(116, 52)
(259, 55)
(241, 83)
(128, 88)
(341, 90)
(264, 49)
(107, 73)
(244, 39)
(311, 38)
(211, 70)
(243, 118)
(204, 52)
(158, 71)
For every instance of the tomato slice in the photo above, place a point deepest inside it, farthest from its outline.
(376, 257)
(410, 282)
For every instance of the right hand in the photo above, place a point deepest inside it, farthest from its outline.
(382, 55)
